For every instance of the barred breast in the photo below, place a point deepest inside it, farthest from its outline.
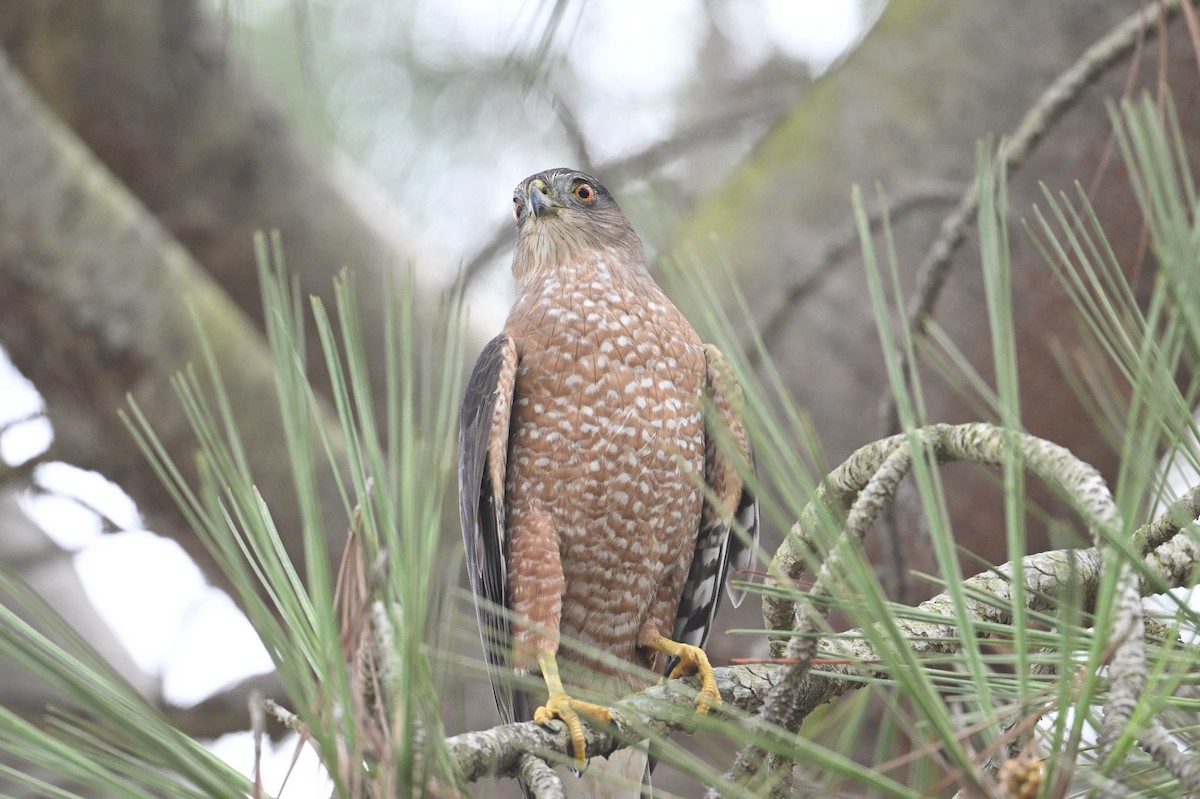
(606, 433)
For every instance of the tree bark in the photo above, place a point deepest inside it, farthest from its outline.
(96, 303)
(154, 91)
(905, 111)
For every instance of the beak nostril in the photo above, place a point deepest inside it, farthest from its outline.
(538, 204)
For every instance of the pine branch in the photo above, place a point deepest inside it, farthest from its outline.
(746, 689)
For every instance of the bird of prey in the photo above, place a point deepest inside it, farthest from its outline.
(601, 462)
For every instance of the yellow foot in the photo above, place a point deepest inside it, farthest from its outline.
(691, 660)
(561, 706)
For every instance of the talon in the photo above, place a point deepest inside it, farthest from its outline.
(562, 707)
(689, 660)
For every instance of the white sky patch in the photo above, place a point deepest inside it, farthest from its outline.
(308, 779)
(142, 585)
(21, 399)
(817, 31)
(24, 440)
(23, 433)
(65, 521)
(219, 650)
(67, 514)
(743, 23)
(98, 491)
(639, 48)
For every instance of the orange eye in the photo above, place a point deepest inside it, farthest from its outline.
(585, 192)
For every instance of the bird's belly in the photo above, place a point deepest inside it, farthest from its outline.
(611, 455)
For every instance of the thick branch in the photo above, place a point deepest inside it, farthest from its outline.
(653, 712)
(97, 303)
(666, 708)
(155, 89)
(869, 478)
(975, 443)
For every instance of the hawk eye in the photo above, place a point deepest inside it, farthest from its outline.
(585, 192)
(517, 210)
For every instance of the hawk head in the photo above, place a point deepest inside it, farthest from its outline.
(565, 217)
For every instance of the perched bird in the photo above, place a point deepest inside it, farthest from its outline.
(598, 469)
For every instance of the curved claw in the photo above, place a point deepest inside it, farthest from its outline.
(562, 707)
(691, 660)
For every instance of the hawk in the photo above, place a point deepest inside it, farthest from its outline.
(596, 502)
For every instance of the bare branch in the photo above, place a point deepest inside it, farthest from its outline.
(539, 779)
(654, 712)
(837, 250)
(863, 485)
(1059, 97)
(662, 709)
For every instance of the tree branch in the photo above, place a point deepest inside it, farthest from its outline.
(98, 303)
(657, 711)
(1059, 97)
(794, 295)
(861, 488)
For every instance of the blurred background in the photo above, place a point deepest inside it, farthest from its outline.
(143, 142)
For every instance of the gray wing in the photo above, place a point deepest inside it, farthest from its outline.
(727, 541)
(482, 460)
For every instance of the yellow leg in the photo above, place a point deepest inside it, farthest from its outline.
(692, 660)
(561, 706)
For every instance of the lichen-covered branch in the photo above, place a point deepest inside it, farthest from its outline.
(974, 443)
(654, 712)
(666, 708)
(866, 483)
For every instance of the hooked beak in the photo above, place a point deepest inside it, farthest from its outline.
(539, 204)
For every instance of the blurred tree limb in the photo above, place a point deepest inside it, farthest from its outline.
(156, 92)
(902, 112)
(1059, 97)
(97, 301)
(194, 157)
